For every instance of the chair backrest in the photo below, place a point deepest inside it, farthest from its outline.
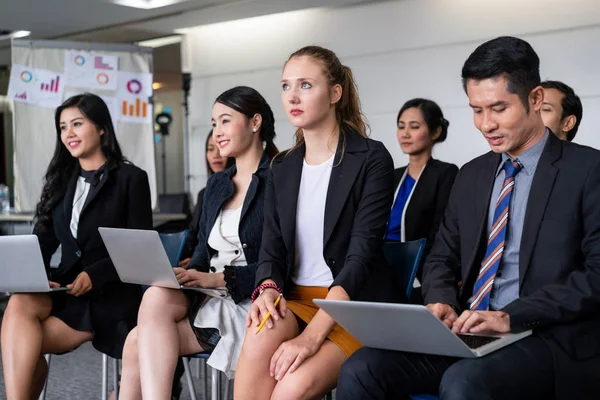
(173, 244)
(405, 258)
(178, 203)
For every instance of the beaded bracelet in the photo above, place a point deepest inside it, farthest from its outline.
(258, 291)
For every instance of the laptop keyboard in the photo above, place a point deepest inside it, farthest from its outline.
(475, 342)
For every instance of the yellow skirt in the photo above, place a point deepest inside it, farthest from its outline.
(299, 301)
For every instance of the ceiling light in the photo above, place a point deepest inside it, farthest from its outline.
(145, 4)
(160, 42)
(13, 35)
(20, 34)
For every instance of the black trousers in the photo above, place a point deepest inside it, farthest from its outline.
(522, 370)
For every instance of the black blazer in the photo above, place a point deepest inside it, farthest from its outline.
(428, 201)
(121, 200)
(192, 238)
(219, 189)
(559, 261)
(357, 208)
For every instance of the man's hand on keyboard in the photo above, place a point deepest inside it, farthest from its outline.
(444, 312)
(482, 321)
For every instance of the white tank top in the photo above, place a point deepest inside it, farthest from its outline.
(310, 267)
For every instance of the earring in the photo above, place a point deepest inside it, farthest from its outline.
(254, 130)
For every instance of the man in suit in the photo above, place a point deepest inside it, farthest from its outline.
(562, 109)
(522, 233)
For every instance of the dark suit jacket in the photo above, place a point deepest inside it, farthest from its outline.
(357, 208)
(559, 261)
(219, 189)
(428, 201)
(192, 238)
(121, 200)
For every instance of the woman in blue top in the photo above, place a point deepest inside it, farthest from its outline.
(423, 186)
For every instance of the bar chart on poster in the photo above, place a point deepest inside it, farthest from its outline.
(52, 86)
(133, 92)
(35, 86)
(139, 109)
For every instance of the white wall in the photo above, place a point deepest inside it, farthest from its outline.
(398, 50)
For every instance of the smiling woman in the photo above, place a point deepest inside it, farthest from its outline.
(82, 138)
(229, 237)
(88, 184)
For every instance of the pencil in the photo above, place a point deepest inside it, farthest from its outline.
(264, 321)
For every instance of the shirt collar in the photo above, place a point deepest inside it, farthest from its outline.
(529, 159)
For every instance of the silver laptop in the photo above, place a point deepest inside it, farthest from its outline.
(22, 267)
(139, 257)
(410, 328)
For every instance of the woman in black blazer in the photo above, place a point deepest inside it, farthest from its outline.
(423, 186)
(174, 322)
(88, 185)
(326, 208)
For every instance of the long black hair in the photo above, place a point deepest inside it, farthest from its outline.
(63, 163)
(209, 171)
(249, 102)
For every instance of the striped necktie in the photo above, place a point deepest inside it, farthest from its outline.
(495, 247)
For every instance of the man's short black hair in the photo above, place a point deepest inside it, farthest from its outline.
(509, 56)
(571, 104)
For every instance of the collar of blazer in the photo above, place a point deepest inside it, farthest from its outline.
(222, 187)
(68, 199)
(263, 164)
(431, 165)
(540, 191)
(287, 173)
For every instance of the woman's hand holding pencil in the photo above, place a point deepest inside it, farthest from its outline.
(266, 318)
(268, 307)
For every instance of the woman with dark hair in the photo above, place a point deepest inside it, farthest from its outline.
(423, 186)
(215, 162)
(170, 323)
(88, 184)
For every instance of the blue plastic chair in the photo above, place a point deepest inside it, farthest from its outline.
(173, 244)
(405, 259)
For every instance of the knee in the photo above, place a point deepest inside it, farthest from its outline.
(130, 350)
(354, 371)
(155, 296)
(155, 302)
(27, 305)
(356, 365)
(296, 386)
(463, 381)
(256, 347)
